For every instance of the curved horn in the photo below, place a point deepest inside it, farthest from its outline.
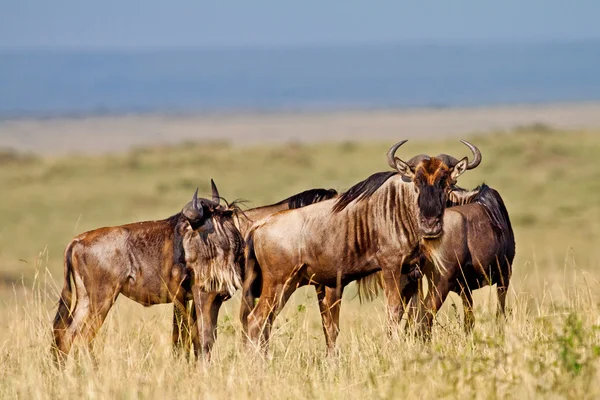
(215, 192)
(476, 155)
(195, 200)
(192, 210)
(392, 152)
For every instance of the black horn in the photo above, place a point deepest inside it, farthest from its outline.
(195, 200)
(392, 152)
(215, 192)
(193, 210)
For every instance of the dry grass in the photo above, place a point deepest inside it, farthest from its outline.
(550, 345)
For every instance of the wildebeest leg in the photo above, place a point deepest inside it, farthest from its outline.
(207, 307)
(101, 301)
(62, 343)
(501, 311)
(413, 298)
(330, 303)
(66, 329)
(260, 320)
(249, 295)
(184, 321)
(211, 304)
(393, 293)
(469, 316)
(436, 295)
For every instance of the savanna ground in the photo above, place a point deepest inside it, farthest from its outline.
(550, 181)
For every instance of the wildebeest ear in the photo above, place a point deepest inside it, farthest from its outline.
(404, 169)
(459, 168)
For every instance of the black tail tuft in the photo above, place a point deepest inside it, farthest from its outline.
(494, 206)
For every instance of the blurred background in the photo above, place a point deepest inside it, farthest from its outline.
(113, 111)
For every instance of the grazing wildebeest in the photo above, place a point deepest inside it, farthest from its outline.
(376, 225)
(476, 250)
(210, 302)
(148, 262)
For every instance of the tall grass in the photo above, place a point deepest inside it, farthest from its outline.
(549, 346)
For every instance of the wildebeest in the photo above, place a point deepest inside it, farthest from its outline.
(477, 249)
(148, 262)
(210, 302)
(375, 225)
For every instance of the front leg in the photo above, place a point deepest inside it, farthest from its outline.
(184, 320)
(207, 307)
(330, 304)
(439, 287)
(392, 286)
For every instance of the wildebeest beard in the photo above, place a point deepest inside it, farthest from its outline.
(216, 259)
(431, 201)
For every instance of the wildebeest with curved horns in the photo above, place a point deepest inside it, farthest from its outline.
(210, 302)
(148, 262)
(376, 225)
(477, 250)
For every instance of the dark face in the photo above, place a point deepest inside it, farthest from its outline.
(205, 223)
(432, 177)
(432, 183)
(216, 257)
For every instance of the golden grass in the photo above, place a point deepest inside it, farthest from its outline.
(550, 346)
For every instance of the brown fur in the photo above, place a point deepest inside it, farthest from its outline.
(210, 302)
(375, 225)
(300, 247)
(143, 262)
(432, 170)
(476, 249)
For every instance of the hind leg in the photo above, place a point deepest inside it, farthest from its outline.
(330, 304)
(99, 306)
(62, 321)
(501, 310)
(413, 297)
(501, 301)
(68, 326)
(469, 315)
(248, 300)
(392, 286)
(66, 331)
(260, 320)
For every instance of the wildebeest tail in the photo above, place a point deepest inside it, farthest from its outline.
(253, 275)
(494, 206)
(370, 286)
(63, 314)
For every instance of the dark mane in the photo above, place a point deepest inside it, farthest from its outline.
(178, 252)
(362, 190)
(307, 197)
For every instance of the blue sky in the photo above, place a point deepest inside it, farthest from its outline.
(189, 23)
